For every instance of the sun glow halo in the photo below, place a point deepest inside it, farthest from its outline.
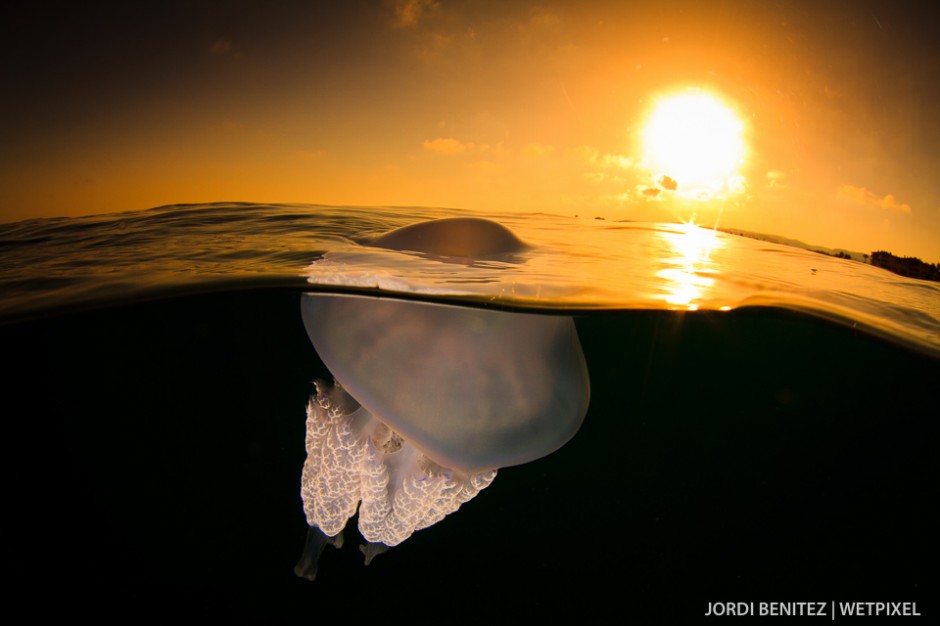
(695, 140)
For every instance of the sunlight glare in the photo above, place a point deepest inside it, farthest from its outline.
(695, 140)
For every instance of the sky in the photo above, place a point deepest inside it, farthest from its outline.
(502, 105)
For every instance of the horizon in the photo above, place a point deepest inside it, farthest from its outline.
(776, 237)
(518, 106)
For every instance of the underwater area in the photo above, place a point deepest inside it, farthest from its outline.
(761, 423)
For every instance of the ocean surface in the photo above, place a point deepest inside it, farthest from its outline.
(762, 424)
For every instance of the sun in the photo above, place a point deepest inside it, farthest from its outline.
(694, 143)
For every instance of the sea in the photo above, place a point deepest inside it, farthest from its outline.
(762, 424)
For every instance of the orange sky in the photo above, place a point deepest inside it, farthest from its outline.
(535, 106)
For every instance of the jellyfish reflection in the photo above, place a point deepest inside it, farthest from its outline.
(430, 400)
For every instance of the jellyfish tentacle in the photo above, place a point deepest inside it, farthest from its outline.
(372, 550)
(314, 545)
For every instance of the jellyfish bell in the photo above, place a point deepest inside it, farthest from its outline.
(430, 400)
(456, 237)
(473, 389)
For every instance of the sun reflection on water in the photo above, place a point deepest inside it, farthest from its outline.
(687, 277)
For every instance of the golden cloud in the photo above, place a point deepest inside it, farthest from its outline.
(446, 145)
(777, 179)
(409, 12)
(595, 157)
(860, 195)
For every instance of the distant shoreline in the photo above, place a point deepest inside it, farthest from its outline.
(910, 267)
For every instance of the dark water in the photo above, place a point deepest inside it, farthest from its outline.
(155, 445)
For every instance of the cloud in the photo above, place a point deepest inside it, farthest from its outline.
(669, 183)
(447, 145)
(409, 12)
(433, 45)
(597, 158)
(860, 195)
(617, 177)
(777, 180)
(541, 22)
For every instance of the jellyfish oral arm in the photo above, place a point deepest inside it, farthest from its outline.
(354, 460)
(330, 484)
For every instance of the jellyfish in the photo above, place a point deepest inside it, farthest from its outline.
(429, 400)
